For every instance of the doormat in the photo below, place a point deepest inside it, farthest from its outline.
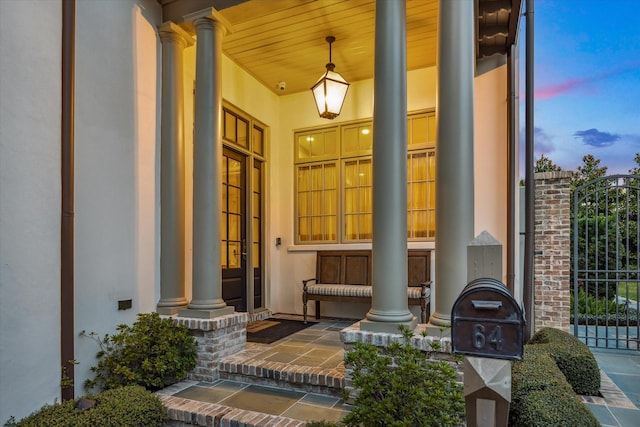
(271, 330)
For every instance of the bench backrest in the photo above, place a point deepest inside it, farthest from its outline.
(353, 267)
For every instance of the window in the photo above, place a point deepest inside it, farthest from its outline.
(236, 129)
(317, 194)
(335, 205)
(358, 191)
(421, 195)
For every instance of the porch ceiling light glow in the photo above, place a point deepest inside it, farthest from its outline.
(330, 90)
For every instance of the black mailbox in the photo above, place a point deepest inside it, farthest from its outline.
(487, 322)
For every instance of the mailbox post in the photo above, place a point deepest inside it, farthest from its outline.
(486, 327)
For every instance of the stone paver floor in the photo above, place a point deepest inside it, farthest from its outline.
(619, 405)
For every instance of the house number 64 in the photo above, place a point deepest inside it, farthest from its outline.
(480, 338)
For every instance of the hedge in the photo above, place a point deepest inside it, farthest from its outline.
(541, 396)
(125, 406)
(573, 358)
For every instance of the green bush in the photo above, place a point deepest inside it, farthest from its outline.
(573, 358)
(553, 408)
(536, 371)
(126, 406)
(153, 353)
(400, 387)
(601, 311)
(541, 396)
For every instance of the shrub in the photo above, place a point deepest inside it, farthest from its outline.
(601, 312)
(553, 408)
(536, 371)
(573, 358)
(125, 406)
(400, 387)
(541, 396)
(153, 353)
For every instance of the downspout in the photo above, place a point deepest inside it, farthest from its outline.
(67, 183)
(529, 194)
(512, 101)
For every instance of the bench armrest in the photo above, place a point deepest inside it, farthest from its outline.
(425, 286)
(305, 282)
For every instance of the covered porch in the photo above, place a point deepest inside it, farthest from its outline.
(252, 65)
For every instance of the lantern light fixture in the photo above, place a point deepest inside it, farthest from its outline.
(330, 90)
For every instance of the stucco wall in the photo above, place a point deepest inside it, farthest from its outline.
(117, 184)
(490, 157)
(30, 39)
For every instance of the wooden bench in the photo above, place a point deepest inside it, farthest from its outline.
(345, 276)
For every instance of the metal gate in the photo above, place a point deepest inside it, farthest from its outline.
(604, 262)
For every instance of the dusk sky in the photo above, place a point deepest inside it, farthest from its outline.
(587, 82)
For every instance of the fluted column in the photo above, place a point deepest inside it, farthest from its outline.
(172, 178)
(454, 179)
(389, 307)
(207, 299)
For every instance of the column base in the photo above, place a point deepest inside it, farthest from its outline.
(170, 311)
(206, 314)
(439, 319)
(387, 327)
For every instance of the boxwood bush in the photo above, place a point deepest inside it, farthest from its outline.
(573, 358)
(541, 396)
(155, 352)
(124, 406)
(399, 387)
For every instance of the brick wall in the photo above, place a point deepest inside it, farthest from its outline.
(436, 348)
(552, 247)
(216, 338)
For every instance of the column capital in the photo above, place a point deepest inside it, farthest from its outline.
(171, 31)
(210, 14)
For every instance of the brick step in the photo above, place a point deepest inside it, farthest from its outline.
(186, 412)
(244, 368)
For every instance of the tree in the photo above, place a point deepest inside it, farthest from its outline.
(545, 164)
(589, 171)
(636, 169)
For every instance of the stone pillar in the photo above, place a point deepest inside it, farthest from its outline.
(172, 185)
(552, 263)
(207, 299)
(389, 306)
(454, 174)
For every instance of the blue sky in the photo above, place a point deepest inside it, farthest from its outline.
(587, 81)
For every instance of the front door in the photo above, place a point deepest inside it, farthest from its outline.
(234, 230)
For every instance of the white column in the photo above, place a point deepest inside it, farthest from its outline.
(172, 179)
(389, 306)
(207, 299)
(454, 176)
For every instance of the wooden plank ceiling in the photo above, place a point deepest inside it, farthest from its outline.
(284, 40)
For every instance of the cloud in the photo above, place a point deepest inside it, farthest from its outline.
(577, 83)
(559, 89)
(595, 138)
(543, 143)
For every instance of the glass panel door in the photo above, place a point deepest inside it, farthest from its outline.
(233, 230)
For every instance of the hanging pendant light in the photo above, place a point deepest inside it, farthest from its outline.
(330, 90)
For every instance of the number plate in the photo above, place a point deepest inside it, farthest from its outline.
(485, 338)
